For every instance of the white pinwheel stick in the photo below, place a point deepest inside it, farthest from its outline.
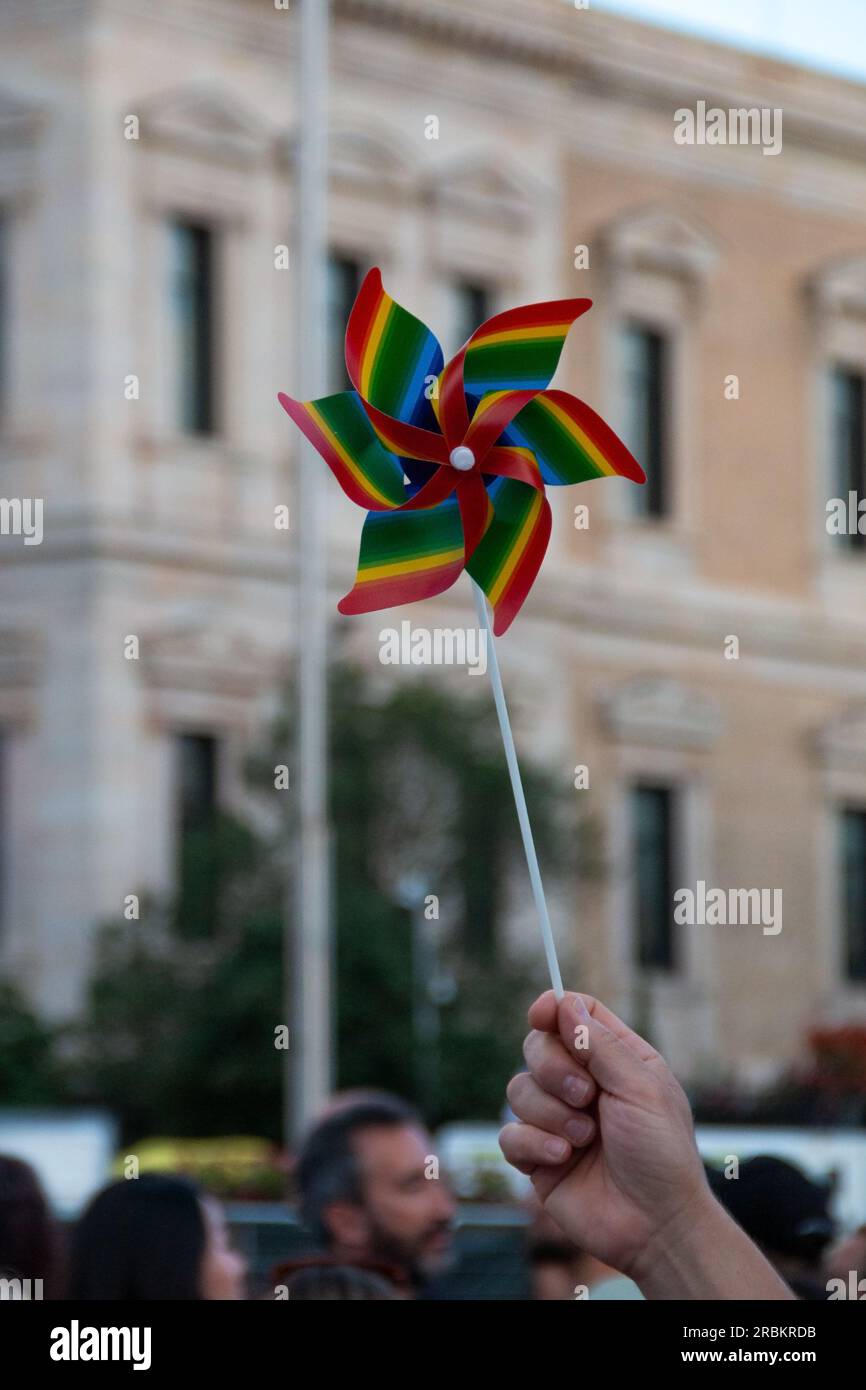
(517, 789)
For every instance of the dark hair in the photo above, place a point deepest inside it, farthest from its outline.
(141, 1239)
(339, 1283)
(328, 1168)
(29, 1236)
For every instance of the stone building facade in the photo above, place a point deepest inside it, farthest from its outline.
(701, 651)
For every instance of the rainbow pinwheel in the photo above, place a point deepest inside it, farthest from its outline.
(451, 462)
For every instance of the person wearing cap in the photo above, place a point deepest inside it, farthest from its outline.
(786, 1213)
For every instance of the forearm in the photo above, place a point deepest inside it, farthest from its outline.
(705, 1255)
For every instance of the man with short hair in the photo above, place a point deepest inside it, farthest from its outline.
(370, 1190)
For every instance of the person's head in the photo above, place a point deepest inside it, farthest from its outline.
(365, 1190)
(29, 1236)
(154, 1238)
(781, 1208)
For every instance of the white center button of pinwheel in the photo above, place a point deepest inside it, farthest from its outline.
(462, 459)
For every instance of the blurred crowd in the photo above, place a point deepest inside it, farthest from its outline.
(379, 1216)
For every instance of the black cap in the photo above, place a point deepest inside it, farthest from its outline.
(777, 1205)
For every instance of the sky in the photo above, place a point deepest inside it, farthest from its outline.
(830, 35)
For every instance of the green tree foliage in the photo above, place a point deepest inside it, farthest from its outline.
(29, 1074)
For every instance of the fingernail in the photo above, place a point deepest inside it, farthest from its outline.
(575, 1089)
(556, 1148)
(581, 1010)
(578, 1129)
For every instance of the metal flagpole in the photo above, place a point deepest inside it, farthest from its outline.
(308, 934)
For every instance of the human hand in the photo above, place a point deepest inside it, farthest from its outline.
(605, 1132)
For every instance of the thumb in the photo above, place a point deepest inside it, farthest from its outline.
(612, 1063)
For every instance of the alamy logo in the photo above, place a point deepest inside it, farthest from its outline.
(22, 516)
(717, 907)
(846, 517)
(20, 1290)
(77, 1343)
(854, 1288)
(438, 646)
(741, 125)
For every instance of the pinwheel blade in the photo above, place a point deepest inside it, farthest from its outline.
(406, 556)
(338, 427)
(516, 350)
(392, 358)
(520, 349)
(570, 442)
(508, 558)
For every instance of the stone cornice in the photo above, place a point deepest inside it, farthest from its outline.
(204, 121)
(781, 641)
(605, 54)
(620, 58)
(484, 191)
(777, 636)
(655, 238)
(661, 711)
(72, 540)
(772, 632)
(530, 32)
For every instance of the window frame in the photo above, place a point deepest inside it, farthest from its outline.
(338, 314)
(199, 910)
(673, 856)
(838, 371)
(848, 807)
(652, 501)
(203, 421)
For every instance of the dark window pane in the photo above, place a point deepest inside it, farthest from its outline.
(192, 288)
(853, 893)
(198, 779)
(644, 385)
(198, 847)
(473, 307)
(344, 281)
(652, 831)
(848, 435)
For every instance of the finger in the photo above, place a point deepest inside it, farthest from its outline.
(535, 1107)
(545, 1014)
(542, 1012)
(527, 1148)
(611, 1060)
(571, 1003)
(561, 1075)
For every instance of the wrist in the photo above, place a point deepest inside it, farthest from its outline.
(678, 1239)
(701, 1253)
